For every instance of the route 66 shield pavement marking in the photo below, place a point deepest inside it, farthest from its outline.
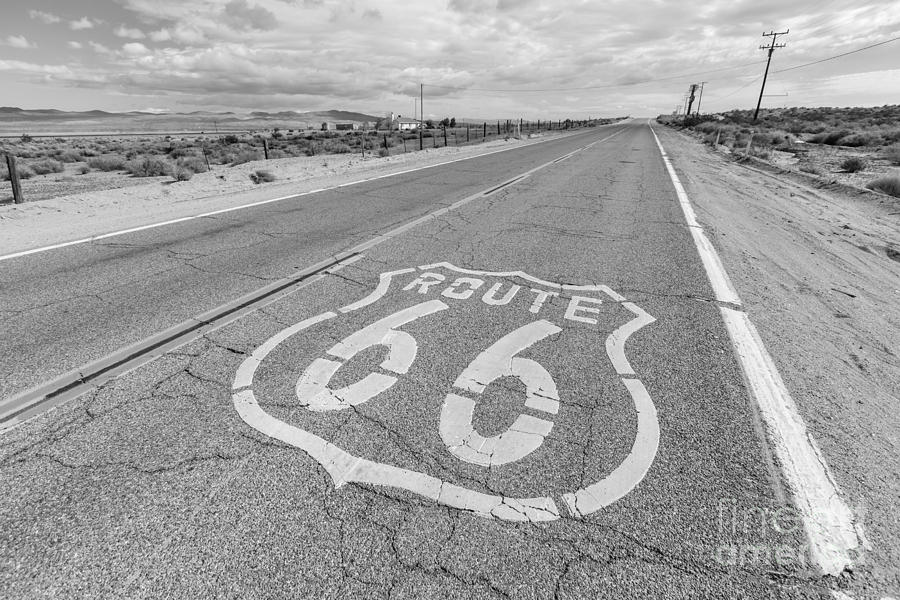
(525, 435)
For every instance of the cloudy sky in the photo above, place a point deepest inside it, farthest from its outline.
(494, 58)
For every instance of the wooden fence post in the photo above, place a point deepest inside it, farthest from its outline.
(205, 156)
(266, 149)
(467, 133)
(484, 133)
(747, 149)
(14, 179)
(445, 136)
(718, 133)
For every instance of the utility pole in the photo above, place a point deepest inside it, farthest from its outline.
(421, 112)
(702, 83)
(693, 90)
(771, 48)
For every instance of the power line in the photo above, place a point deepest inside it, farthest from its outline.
(596, 87)
(815, 62)
(736, 90)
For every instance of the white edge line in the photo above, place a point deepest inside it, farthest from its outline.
(836, 542)
(262, 202)
(718, 278)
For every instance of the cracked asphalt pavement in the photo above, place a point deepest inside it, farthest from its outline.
(167, 482)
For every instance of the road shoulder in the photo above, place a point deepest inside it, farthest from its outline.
(818, 273)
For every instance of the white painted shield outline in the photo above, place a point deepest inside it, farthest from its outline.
(343, 467)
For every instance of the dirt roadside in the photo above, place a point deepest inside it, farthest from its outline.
(819, 274)
(47, 222)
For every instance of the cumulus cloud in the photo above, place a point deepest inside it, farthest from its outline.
(135, 49)
(19, 41)
(82, 23)
(257, 51)
(163, 35)
(75, 45)
(186, 34)
(131, 33)
(241, 16)
(44, 17)
(99, 48)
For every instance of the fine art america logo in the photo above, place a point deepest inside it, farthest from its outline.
(425, 320)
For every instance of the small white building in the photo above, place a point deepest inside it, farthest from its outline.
(406, 124)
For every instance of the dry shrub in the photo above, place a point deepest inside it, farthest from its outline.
(888, 185)
(262, 176)
(180, 173)
(332, 147)
(24, 172)
(69, 156)
(810, 168)
(45, 166)
(244, 156)
(107, 163)
(854, 164)
(860, 139)
(195, 164)
(892, 154)
(149, 166)
(830, 138)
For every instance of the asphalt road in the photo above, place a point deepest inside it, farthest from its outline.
(558, 412)
(65, 308)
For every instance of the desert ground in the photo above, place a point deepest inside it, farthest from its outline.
(853, 146)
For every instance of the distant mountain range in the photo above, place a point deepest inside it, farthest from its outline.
(10, 113)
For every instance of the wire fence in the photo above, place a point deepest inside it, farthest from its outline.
(180, 156)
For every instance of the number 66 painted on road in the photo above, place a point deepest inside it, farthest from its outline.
(499, 360)
(524, 436)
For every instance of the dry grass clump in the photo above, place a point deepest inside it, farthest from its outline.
(262, 176)
(810, 168)
(334, 147)
(24, 172)
(245, 156)
(180, 173)
(888, 185)
(892, 154)
(195, 164)
(46, 166)
(829, 138)
(68, 156)
(149, 166)
(107, 163)
(854, 164)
